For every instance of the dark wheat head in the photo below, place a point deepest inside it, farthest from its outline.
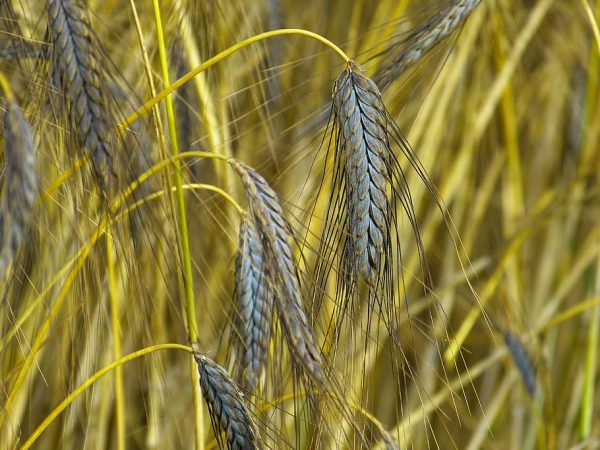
(360, 116)
(275, 236)
(522, 360)
(423, 39)
(77, 68)
(20, 185)
(226, 405)
(254, 303)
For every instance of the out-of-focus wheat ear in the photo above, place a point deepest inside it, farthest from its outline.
(409, 51)
(522, 360)
(275, 236)
(186, 99)
(21, 50)
(388, 441)
(20, 183)
(254, 303)
(363, 140)
(226, 405)
(76, 66)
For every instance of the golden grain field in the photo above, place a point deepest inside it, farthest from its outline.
(270, 224)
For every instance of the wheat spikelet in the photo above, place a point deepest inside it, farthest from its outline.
(422, 40)
(254, 302)
(360, 116)
(226, 405)
(20, 186)
(78, 70)
(275, 236)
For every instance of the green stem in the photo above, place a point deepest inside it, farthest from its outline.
(184, 237)
(591, 362)
(188, 280)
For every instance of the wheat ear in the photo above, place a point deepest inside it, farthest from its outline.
(254, 303)
(275, 236)
(18, 50)
(78, 70)
(20, 186)
(226, 404)
(423, 39)
(360, 116)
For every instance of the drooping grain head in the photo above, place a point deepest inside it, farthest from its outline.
(363, 139)
(254, 301)
(406, 53)
(275, 237)
(77, 68)
(226, 404)
(20, 185)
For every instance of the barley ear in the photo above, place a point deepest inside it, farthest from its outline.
(226, 405)
(363, 139)
(76, 66)
(275, 236)
(20, 183)
(423, 40)
(254, 301)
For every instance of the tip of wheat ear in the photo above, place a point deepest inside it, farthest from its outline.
(226, 405)
(364, 144)
(275, 236)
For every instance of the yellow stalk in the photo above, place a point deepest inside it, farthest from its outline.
(5, 86)
(116, 331)
(189, 186)
(521, 43)
(224, 54)
(41, 337)
(60, 180)
(91, 380)
(587, 405)
(206, 93)
(116, 204)
(155, 110)
(591, 362)
(572, 312)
